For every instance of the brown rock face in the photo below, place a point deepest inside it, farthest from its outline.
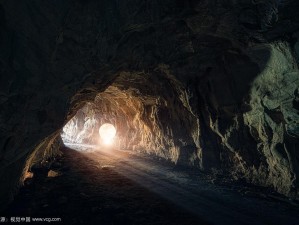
(151, 113)
(210, 84)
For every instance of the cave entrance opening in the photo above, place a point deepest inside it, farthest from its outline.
(88, 130)
(145, 113)
(107, 133)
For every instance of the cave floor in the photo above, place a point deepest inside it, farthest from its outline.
(117, 187)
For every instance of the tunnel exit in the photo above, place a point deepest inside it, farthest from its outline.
(88, 128)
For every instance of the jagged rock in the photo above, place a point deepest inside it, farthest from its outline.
(194, 83)
(53, 173)
(28, 175)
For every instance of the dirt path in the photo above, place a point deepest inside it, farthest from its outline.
(91, 193)
(116, 187)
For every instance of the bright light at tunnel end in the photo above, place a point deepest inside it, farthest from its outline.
(107, 133)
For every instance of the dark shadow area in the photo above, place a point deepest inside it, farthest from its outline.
(87, 193)
(117, 187)
(204, 95)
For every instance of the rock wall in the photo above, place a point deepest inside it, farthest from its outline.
(150, 112)
(154, 117)
(83, 128)
(230, 69)
(258, 136)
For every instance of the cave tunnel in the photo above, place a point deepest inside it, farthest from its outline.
(147, 118)
(148, 112)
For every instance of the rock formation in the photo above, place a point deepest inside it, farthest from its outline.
(203, 83)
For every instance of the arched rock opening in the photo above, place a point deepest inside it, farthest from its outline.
(151, 113)
(208, 83)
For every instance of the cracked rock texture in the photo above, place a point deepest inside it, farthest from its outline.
(211, 84)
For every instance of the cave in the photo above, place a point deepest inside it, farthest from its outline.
(149, 112)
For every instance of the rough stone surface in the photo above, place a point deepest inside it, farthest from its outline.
(212, 84)
(53, 173)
